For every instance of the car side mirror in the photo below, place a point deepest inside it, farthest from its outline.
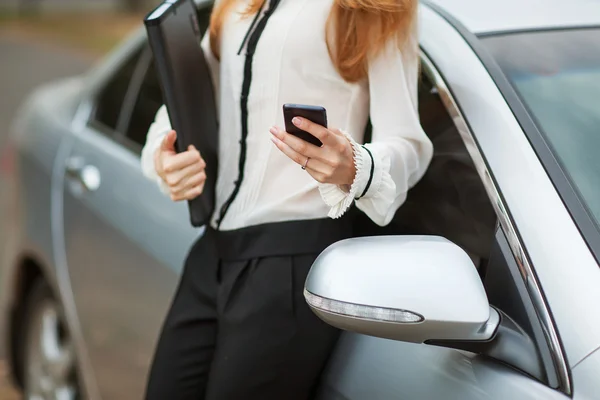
(410, 288)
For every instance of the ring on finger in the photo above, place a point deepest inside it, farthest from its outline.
(306, 163)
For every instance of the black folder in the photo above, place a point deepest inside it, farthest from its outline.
(185, 79)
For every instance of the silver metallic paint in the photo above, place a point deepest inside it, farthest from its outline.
(425, 275)
(509, 15)
(370, 368)
(123, 271)
(585, 375)
(563, 264)
(507, 226)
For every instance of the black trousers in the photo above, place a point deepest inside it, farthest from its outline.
(238, 327)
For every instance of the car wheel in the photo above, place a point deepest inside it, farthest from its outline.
(49, 358)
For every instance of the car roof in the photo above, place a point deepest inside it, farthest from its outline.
(486, 16)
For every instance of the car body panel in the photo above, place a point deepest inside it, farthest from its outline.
(38, 129)
(41, 124)
(121, 250)
(378, 369)
(483, 17)
(124, 255)
(585, 374)
(50, 128)
(383, 365)
(563, 263)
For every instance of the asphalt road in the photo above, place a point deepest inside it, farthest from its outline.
(25, 64)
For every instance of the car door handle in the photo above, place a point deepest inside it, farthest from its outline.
(87, 175)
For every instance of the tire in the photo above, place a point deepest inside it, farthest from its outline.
(49, 362)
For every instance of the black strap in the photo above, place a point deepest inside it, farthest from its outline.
(254, 20)
(370, 175)
(368, 132)
(252, 43)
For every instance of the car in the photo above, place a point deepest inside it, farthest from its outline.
(485, 286)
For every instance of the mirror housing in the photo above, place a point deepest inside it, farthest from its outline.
(409, 288)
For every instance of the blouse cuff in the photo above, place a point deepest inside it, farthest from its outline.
(340, 199)
(382, 193)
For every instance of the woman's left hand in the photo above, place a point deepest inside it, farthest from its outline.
(333, 162)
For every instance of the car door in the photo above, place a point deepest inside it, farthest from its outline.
(451, 201)
(125, 241)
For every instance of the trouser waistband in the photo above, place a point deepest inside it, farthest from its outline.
(280, 238)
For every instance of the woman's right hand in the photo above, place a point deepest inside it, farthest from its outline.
(184, 173)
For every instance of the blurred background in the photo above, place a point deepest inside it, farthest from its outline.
(43, 40)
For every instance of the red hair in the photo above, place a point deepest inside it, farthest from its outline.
(355, 29)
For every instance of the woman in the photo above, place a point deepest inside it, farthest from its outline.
(238, 327)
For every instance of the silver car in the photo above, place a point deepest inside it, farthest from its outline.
(486, 286)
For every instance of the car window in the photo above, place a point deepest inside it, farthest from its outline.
(149, 97)
(556, 74)
(147, 103)
(110, 99)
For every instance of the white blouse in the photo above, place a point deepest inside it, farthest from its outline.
(291, 64)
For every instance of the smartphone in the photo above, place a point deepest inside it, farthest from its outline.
(316, 114)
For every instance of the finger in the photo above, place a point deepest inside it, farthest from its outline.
(189, 184)
(193, 149)
(297, 144)
(320, 171)
(168, 143)
(176, 179)
(329, 155)
(177, 162)
(192, 181)
(315, 164)
(288, 151)
(189, 193)
(318, 131)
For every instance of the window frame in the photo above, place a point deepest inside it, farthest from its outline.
(131, 96)
(119, 135)
(506, 224)
(502, 258)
